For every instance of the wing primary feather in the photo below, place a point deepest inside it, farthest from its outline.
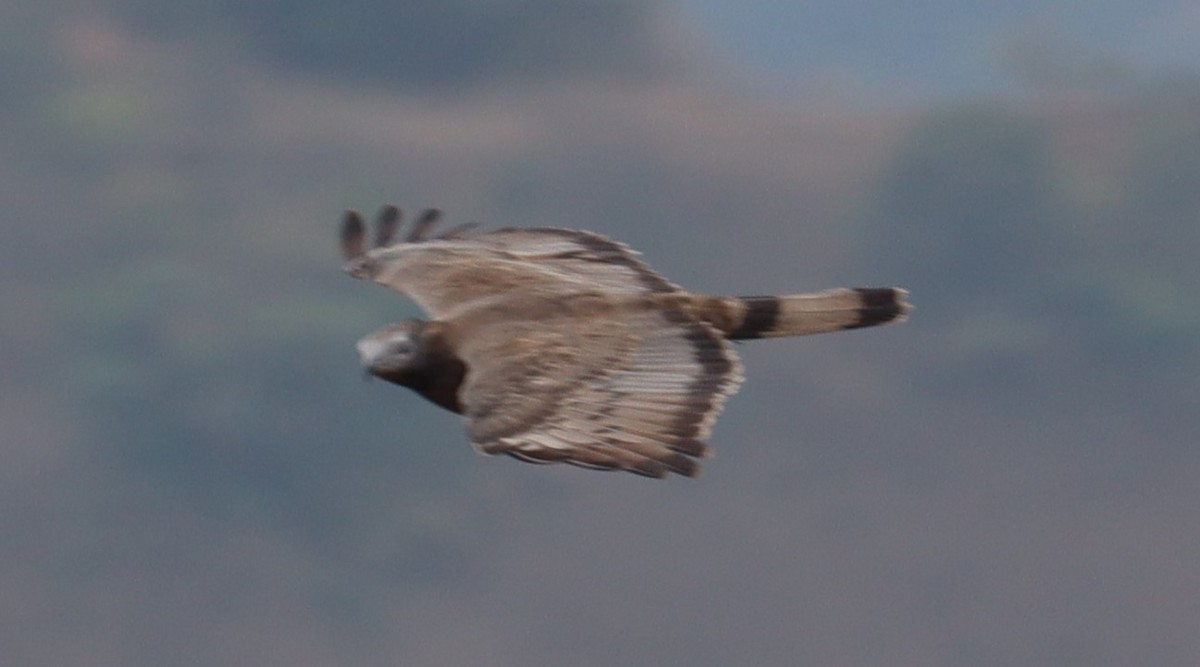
(387, 223)
(351, 235)
(429, 218)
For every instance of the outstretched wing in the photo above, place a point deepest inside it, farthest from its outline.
(636, 390)
(449, 273)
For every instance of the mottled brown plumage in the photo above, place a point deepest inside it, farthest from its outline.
(560, 345)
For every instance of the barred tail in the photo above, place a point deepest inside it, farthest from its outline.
(747, 317)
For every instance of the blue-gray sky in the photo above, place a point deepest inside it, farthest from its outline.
(939, 47)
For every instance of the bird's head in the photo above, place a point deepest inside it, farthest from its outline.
(394, 351)
(415, 354)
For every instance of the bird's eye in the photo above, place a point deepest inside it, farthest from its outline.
(402, 347)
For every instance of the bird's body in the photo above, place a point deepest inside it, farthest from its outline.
(560, 345)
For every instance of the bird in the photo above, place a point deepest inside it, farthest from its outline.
(560, 345)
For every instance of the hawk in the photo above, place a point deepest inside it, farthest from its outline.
(557, 345)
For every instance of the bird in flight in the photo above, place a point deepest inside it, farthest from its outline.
(557, 345)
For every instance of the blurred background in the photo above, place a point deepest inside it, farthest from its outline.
(192, 471)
